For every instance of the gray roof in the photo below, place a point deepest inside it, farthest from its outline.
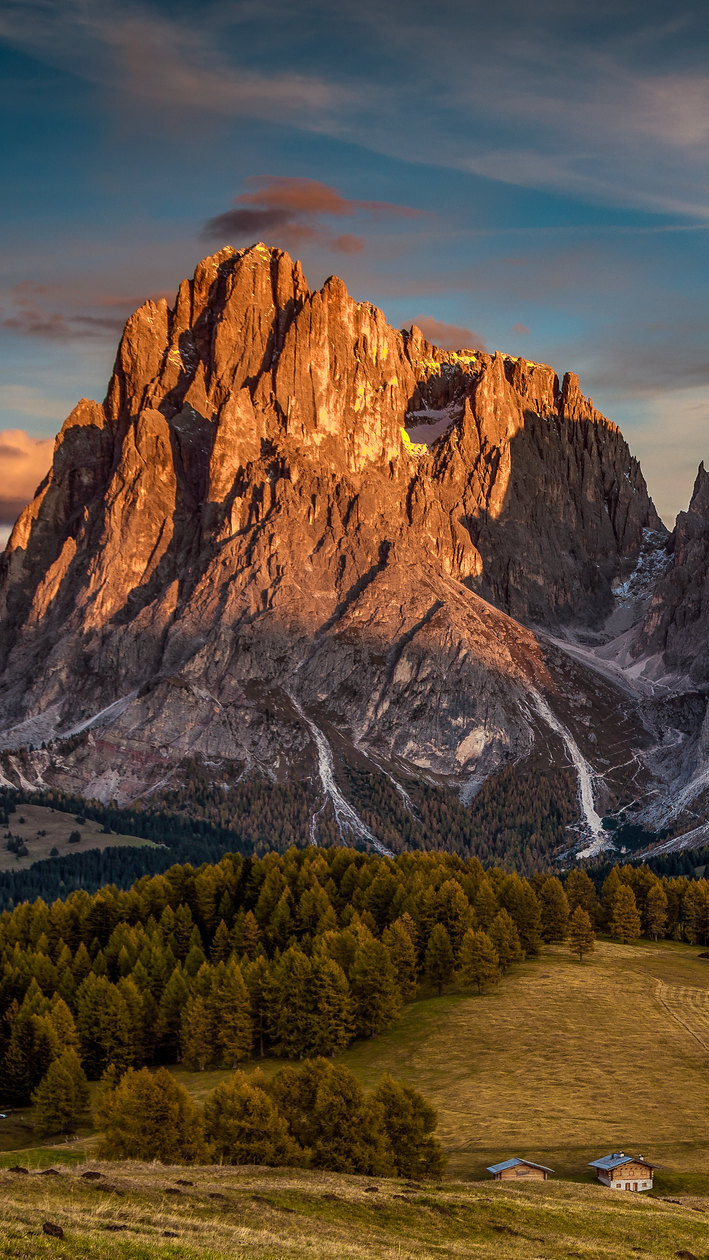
(618, 1158)
(512, 1163)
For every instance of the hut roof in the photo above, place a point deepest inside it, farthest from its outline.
(512, 1163)
(617, 1158)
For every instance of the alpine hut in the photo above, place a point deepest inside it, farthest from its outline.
(512, 1169)
(624, 1172)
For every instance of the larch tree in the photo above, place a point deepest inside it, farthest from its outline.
(479, 963)
(438, 960)
(375, 993)
(656, 911)
(409, 1122)
(554, 909)
(581, 933)
(505, 938)
(197, 1036)
(625, 924)
(61, 1096)
(400, 944)
(149, 1116)
(230, 1008)
(242, 1125)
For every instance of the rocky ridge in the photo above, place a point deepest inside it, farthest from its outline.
(293, 534)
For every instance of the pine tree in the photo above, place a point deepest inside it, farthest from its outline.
(581, 934)
(221, 946)
(257, 978)
(290, 1014)
(409, 1123)
(60, 1097)
(656, 911)
(580, 891)
(230, 1010)
(438, 961)
(348, 1130)
(333, 1022)
(554, 909)
(149, 1116)
(479, 964)
(197, 1035)
(403, 956)
(377, 1002)
(625, 922)
(243, 1126)
(505, 939)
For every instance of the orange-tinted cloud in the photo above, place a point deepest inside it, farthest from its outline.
(294, 209)
(449, 336)
(520, 330)
(24, 461)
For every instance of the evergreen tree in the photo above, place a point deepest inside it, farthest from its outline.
(580, 891)
(257, 978)
(221, 946)
(581, 934)
(401, 949)
(409, 1123)
(625, 924)
(231, 1014)
(333, 1022)
(149, 1116)
(505, 939)
(60, 1097)
(375, 993)
(479, 964)
(554, 909)
(290, 1015)
(243, 1126)
(197, 1035)
(656, 911)
(438, 960)
(348, 1130)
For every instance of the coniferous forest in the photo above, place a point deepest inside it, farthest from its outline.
(292, 954)
(518, 821)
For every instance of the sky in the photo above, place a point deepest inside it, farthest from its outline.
(526, 177)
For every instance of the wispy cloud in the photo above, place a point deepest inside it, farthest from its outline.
(297, 210)
(170, 61)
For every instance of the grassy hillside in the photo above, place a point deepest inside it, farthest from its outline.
(43, 829)
(147, 1212)
(562, 1062)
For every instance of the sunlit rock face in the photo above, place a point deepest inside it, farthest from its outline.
(284, 505)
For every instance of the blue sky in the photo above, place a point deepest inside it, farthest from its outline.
(535, 176)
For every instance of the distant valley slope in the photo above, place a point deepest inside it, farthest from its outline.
(294, 539)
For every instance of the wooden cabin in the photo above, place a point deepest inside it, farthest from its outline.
(624, 1172)
(513, 1169)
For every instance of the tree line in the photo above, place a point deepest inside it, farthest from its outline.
(292, 954)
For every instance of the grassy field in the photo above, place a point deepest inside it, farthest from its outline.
(149, 1212)
(562, 1063)
(57, 827)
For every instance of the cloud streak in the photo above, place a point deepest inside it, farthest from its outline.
(449, 336)
(296, 210)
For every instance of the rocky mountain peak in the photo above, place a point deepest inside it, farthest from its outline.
(287, 510)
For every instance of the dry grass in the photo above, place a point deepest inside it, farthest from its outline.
(58, 826)
(147, 1212)
(566, 1061)
(562, 1063)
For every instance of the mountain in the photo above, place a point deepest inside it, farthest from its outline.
(294, 539)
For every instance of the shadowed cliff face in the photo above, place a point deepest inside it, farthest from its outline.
(285, 504)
